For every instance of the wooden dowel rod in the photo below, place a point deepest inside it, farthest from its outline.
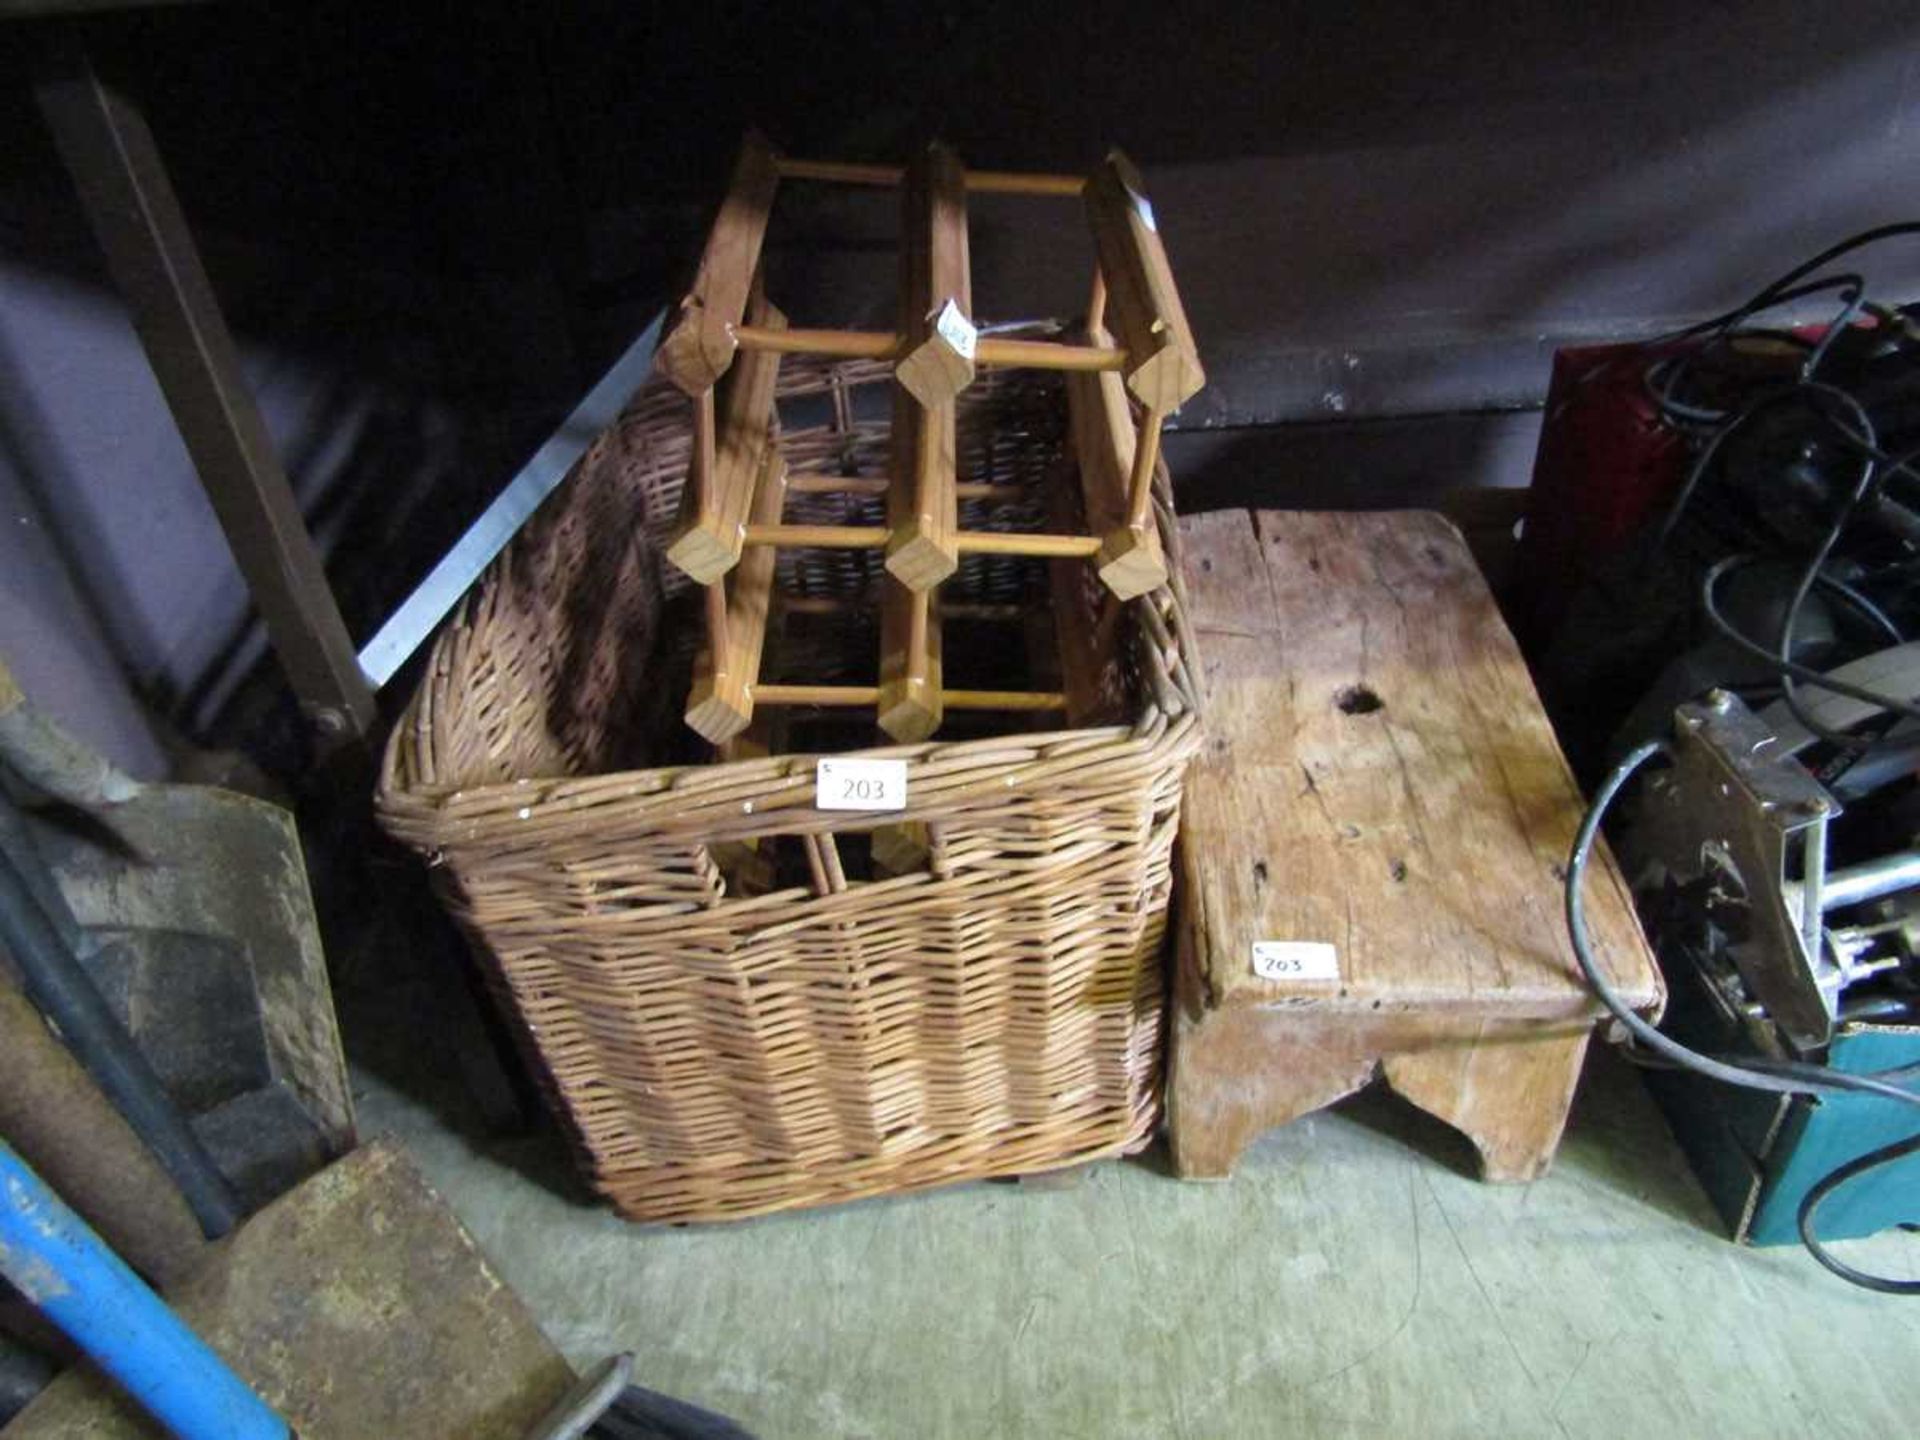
(837, 484)
(834, 696)
(874, 537)
(815, 867)
(1023, 700)
(817, 605)
(952, 610)
(874, 485)
(1046, 355)
(838, 172)
(1097, 305)
(982, 542)
(829, 849)
(1000, 182)
(990, 614)
(824, 537)
(847, 697)
(1084, 658)
(1105, 446)
(1020, 182)
(875, 345)
(1146, 455)
(842, 344)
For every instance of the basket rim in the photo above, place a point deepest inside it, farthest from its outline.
(415, 809)
(772, 792)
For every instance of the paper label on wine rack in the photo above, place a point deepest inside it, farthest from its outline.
(1295, 960)
(845, 784)
(956, 329)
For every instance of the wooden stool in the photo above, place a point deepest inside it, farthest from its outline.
(1373, 846)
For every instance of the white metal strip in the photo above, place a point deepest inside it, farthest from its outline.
(408, 627)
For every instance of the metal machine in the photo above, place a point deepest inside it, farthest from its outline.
(1721, 574)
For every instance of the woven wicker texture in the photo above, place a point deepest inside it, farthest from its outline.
(741, 1003)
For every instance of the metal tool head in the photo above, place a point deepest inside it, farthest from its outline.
(1736, 810)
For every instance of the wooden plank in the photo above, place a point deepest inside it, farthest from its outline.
(718, 651)
(937, 312)
(124, 187)
(911, 705)
(1163, 364)
(1084, 651)
(720, 705)
(923, 548)
(701, 345)
(1382, 783)
(1130, 559)
(1238, 1072)
(354, 1305)
(1382, 775)
(1146, 455)
(1508, 1091)
(711, 527)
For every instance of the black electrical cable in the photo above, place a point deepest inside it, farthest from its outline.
(1780, 291)
(1854, 296)
(1798, 671)
(1864, 606)
(1813, 573)
(1864, 437)
(1857, 241)
(1701, 464)
(1875, 1083)
(1817, 1196)
(1780, 1078)
(1772, 295)
(1664, 375)
(1799, 391)
(1815, 564)
(1665, 380)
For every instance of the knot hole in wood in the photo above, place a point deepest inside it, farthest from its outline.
(1358, 700)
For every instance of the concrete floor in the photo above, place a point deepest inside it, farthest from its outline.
(1352, 1279)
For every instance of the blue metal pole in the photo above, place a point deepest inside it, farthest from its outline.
(72, 1277)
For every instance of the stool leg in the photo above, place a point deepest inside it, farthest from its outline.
(1508, 1092)
(1225, 1088)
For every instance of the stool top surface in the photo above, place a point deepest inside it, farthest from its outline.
(1381, 815)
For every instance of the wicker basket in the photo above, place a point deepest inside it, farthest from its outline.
(742, 1003)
